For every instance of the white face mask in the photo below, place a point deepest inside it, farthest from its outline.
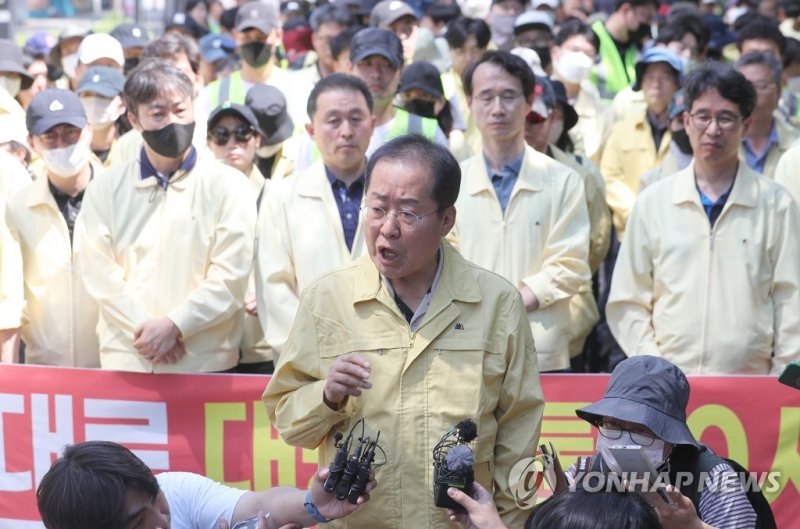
(11, 84)
(654, 452)
(67, 161)
(574, 66)
(268, 151)
(555, 132)
(100, 111)
(69, 63)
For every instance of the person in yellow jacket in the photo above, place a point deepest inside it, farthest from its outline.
(786, 173)
(413, 338)
(167, 240)
(550, 117)
(327, 196)
(638, 145)
(11, 293)
(767, 138)
(708, 276)
(680, 150)
(233, 137)
(58, 318)
(522, 214)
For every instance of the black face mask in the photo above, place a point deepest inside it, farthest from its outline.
(421, 108)
(544, 56)
(640, 34)
(681, 139)
(256, 54)
(130, 64)
(170, 141)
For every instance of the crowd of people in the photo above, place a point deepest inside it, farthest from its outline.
(406, 211)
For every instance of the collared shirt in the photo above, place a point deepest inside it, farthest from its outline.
(67, 205)
(348, 202)
(657, 129)
(147, 170)
(713, 209)
(755, 160)
(414, 318)
(504, 180)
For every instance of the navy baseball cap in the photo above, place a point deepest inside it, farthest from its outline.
(131, 36)
(376, 41)
(54, 106)
(103, 80)
(235, 109)
(423, 76)
(215, 46)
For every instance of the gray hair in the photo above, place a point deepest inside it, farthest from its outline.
(152, 78)
(764, 58)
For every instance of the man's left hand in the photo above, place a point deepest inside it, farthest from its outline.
(326, 502)
(155, 338)
(529, 298)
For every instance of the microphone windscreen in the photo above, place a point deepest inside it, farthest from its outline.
(459, 459)
(467, 430)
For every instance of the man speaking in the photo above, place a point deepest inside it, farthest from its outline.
(413, 338)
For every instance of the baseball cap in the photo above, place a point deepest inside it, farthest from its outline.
(365, 7)
(260, 15)
(654, 55)
(11, 60)
(388, 11)
(424, 76)
(131, 36)
(544, 101)
(235, 109)
(70, 32)
(376, 41)
(100, 46)
(103, 80)
(533, 19)
(531, 58)
(54, 106)
(268, 105)
(550, 4)
(560, 93)
(215, 46)
(40, 43)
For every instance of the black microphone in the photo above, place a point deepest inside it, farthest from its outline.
(453, 463)
(337, 467)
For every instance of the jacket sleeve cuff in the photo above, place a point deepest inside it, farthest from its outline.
(540, 286)
(183, 320)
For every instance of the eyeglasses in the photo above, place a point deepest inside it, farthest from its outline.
(221, 135)
(507, 99)
(68, 134)
(612, 430)
(724, 121)
(534, 118)
(407, 219)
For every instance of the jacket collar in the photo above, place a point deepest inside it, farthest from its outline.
(179, 179)
(313, 182)
(456, 282)
(744, 193)
(40, 194)
(532, 163)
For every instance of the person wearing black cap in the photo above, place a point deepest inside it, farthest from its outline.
(377, 58)
(522, 214)
(645, 405)
(326, 195)
(269, 107)
(59, 317)
(258, 35)
(421, 92)
(399, 18)
(100, 90)
(167, 239)
(233, 137)
(133, 38)
(549, 120)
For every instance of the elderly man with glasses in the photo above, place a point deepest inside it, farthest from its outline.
(413, 338)
(708, 275)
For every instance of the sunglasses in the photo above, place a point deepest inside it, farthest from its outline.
(221, 135)
(534, 118)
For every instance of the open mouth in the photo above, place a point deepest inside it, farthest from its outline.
(387, 254)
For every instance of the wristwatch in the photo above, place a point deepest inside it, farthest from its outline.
(312, 511)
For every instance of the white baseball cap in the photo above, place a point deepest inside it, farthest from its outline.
(100, 46)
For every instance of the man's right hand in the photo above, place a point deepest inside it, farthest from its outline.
(348, 375)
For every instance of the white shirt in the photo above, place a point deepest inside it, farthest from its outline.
(196, 502)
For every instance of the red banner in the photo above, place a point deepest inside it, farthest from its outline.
(216, 425)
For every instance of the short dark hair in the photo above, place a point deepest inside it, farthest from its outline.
(514, 65)
(765, 59)
(587, 510)
(443, 12)
(330, 13)
(459, 29)
(341, 42)
(171, 44)
(87, 486)
(635, 3)
(760, 27)
(723, 78)
(337, 81)
(420, 151)
(677, 26)
(792, 54)
(573, 26)
(151, 78)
